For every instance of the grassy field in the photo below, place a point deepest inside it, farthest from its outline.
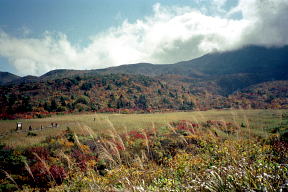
(231, 150)
(255, 122)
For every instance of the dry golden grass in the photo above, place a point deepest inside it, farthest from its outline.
(82, 123)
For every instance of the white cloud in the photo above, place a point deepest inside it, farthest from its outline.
(170, 35)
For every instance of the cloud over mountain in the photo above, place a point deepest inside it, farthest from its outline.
(171, 34)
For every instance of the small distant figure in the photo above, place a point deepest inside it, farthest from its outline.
(94, 119)
(18, 126)
(53, 124)
(30, 128)
(41, 127)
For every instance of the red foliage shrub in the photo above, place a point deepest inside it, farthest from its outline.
(185, 125)
(7, 116)
(82, 164)
(42, 152)
(119, 145)
(136, 135)
(40, 173)
(81, 158)
(58, 173)
(78, 154)
(280, 147)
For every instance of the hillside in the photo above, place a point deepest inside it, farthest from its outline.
(272, 94)
(250, 77)
(252, 59)
(94, 93)
(230, 71)
(6, 77)
(131, 93)
(62, 73)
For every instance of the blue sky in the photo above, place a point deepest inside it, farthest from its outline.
(79, 19)
(41, 35)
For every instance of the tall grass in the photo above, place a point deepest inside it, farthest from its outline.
(195, 155)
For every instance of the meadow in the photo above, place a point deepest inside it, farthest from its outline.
(227, 150)
(256, 121)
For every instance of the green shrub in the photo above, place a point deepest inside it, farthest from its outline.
(32, 134)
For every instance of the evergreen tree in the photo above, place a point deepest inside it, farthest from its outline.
(54, 105)
(142, 102)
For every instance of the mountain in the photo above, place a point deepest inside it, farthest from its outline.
(6, 77)
(62, 73)
(151, 70)
(232, 70)
(253, 76)
(272, 62)
(23, 80)
(252, 59)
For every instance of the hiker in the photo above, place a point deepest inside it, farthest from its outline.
(30, 128)
(18, 126)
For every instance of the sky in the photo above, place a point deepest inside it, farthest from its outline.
(37, 36)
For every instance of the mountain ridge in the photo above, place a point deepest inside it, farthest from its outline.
(231, 70)
(249, 54)
(252, 77)
(6, 77)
